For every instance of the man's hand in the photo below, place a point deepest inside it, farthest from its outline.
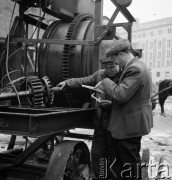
(105, 103)
(62, 85)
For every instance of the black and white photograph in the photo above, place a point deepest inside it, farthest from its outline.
(85, 89)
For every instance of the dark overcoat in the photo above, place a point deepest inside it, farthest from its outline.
(131, 114)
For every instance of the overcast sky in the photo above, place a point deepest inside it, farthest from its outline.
(144, 10)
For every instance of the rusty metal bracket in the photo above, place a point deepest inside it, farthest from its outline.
(99, 39)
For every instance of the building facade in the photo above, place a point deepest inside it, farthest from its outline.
(155, 40)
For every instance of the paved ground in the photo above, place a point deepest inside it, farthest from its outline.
(159, 141)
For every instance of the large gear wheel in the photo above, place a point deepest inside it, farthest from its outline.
(48, 91)
(34, 85)
(67, 50)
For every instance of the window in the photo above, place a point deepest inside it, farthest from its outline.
(150, 55)
(159, 44)
(143, 35)
(150, 64)
(158, 74)
(168, 43)
(158, 64)
(159, 54)
(169, 30)
(168, 53)
(167, 74)
(151, 45)
(160, 32)
(143, 46)
(146, 55)
(151, 33)
(167, 63)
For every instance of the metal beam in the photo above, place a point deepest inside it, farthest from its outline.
(30, 20)
(53, 41)
(60, 13)
(98, 13)
(107, 26)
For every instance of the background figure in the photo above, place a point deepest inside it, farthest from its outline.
(131, 115)
(112, 71)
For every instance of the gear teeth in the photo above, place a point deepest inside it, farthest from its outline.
(67, 48)
(49, 93)
(35, 86)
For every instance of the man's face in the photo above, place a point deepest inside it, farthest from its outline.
(111, 69)
(118, 59)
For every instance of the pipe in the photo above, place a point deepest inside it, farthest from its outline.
(6, 96)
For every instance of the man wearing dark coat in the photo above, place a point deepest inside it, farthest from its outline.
(131, 115)
(112, 71)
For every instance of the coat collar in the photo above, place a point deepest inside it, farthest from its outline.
(129, 64)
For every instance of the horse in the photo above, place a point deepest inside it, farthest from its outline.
(165, 90)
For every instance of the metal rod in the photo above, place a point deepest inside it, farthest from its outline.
(166, 89)
(53, 41)
(6, 96)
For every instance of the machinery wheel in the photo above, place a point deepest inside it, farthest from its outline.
(34, 85)
(49, 94)
(68, 160)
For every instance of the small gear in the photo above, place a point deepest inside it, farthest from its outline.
(48, 91)
(34, 85)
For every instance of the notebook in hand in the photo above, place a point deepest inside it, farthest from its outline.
(93, 88)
